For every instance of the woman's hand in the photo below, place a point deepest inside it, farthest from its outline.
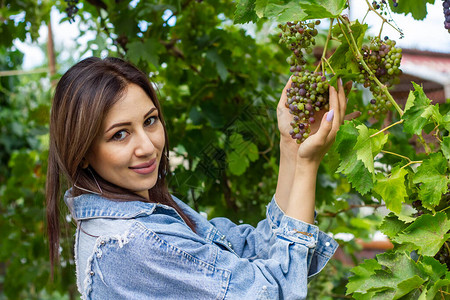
(322, 133)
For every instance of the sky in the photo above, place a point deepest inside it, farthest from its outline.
(428, 34)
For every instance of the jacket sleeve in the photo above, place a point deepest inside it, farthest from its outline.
(255, 243)
(162, 258)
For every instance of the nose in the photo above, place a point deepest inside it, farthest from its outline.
(143, 144)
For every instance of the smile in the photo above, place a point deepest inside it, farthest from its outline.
(145, 168)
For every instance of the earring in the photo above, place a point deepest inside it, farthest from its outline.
(86, 190)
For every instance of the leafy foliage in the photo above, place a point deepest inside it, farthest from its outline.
(219, 87)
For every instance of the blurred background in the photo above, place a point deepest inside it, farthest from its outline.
(219, 84)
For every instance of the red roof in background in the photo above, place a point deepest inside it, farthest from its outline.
(434, 61)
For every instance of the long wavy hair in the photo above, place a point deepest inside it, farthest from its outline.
(83, 97)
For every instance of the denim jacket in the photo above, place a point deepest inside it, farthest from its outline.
(138, 250)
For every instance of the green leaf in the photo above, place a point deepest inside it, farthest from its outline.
(417, 8)
(407, 286)
(237, 164)
(434, 269)
(214, 57)
(392, 189)
(392, 225)
(431, 293)
(420, 112)
(362, 273)
(368, 147)
(357, 174)
(445, 147)
(146, 51)
(343, 58)
(284, 12)
(432, 174)
(428, 233)
(394, 271)
(245, 12)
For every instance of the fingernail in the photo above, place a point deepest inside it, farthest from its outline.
(330, 115)
(340, 81)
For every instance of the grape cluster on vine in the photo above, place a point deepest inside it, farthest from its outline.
(308, 92)
(446, 5)
(383, 59)
(71, 9)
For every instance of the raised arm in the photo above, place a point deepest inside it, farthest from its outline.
(295, 193)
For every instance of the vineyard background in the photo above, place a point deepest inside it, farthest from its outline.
(219, 83)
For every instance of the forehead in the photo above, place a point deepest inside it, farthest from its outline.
(135, 103)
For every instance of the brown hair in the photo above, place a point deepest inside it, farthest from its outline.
(83, 97)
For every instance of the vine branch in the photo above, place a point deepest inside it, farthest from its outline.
(359, 58)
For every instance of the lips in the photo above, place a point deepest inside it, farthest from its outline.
(145, 168)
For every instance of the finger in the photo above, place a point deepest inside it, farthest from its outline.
(334, 105)
(325, 126)
(283, 97)
(342, 100)
(352, 115)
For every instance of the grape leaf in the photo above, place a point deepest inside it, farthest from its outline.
(432, 174)
(214, 57)
(428, 233)
(407, 286)
(368, 147)
(431, 293)
(393, 271)
(362, 272)
(343, 58)
(392, 225)
(420, 112)
(243, 152)
(357, 174)
(237, 164)
(432, 268)
(417, 8)
(245, 12)
(298, 10)
(392, 189)
(147, 51)
(445, 147)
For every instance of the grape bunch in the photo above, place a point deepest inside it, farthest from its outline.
(308, 92)
(446, 5)
(383, 59)
(71, 9)
(382, 4)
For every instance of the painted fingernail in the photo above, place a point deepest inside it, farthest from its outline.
(340, 81)
(330, 115)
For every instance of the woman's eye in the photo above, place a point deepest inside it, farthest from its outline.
(150, 121)
(119, 136)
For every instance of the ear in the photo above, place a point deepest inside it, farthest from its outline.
(84, 163)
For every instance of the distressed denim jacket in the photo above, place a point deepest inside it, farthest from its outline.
(137, 250)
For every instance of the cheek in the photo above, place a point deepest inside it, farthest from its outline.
(108, 157)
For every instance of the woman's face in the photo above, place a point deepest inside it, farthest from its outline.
(128, 150)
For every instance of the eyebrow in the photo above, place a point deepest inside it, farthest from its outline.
(129, 123)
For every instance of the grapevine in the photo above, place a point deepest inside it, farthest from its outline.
(383, 59)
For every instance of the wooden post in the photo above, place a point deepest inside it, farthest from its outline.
(51, 51)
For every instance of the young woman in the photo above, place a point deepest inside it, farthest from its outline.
(136, 241)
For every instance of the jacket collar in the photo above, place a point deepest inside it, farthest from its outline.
(90, 206)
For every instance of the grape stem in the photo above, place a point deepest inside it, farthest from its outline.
(386, 128)
(425, 145)
(325, 48)
(407, 158)
(360, 59)
(331, 214)
(383, 18)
